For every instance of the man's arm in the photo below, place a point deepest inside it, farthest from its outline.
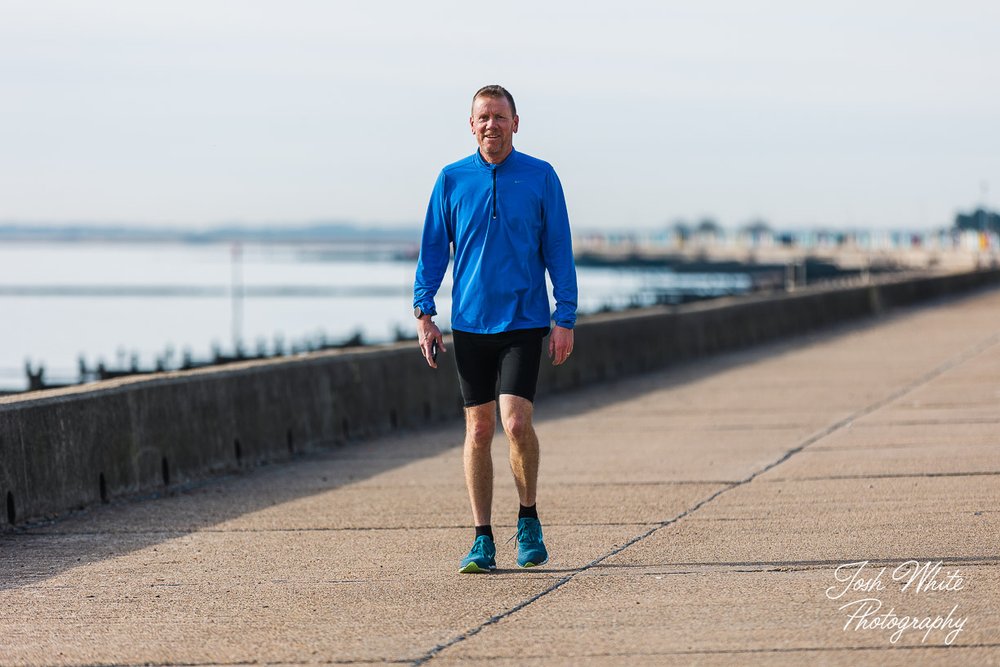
(557, 251)
(435, 251)
(427, 334)
(560, 344)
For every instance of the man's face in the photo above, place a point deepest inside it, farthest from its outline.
(494, 125)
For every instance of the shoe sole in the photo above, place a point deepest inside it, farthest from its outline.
(473, 568)
(530, 564)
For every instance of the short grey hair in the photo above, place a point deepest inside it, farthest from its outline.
(495, 91)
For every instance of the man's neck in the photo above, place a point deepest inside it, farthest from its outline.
(496, 160)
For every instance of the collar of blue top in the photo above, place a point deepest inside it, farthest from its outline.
(482, 163)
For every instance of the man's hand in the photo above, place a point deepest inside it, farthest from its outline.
(560, 344)
(427, 333)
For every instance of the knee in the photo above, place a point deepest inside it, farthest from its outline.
(518, 427)
(479, 433)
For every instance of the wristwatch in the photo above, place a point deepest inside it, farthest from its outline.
(419, 313)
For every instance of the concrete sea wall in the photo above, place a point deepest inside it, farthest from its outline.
(70, 448)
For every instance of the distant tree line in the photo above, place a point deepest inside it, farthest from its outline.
(980, 220)
(710, 227)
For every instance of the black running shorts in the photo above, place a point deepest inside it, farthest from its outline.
(512, 357)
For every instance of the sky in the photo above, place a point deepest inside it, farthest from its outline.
(873, 114)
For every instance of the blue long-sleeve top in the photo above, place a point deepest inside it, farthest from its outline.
(508, 223)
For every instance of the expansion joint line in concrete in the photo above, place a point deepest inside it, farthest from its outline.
(896, 475)
(812, 649)
(215, 663)
(952, 363)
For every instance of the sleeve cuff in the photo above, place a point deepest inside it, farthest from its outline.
(427, 308)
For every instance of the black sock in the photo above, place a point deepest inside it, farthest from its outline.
(486, 530)
(527, 512)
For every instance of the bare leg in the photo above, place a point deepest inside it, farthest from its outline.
(480, 425)
(516, 414)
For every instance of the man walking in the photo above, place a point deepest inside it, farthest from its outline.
(505, 214)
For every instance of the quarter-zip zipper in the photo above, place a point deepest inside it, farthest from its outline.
(494, 170)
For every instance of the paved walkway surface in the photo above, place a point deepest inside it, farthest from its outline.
(695, 516)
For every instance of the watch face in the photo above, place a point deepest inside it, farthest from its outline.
(417, 313)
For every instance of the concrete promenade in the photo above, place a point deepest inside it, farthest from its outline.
(695, 516)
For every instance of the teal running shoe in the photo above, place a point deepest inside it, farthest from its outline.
(530, 548)
(482, 557)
